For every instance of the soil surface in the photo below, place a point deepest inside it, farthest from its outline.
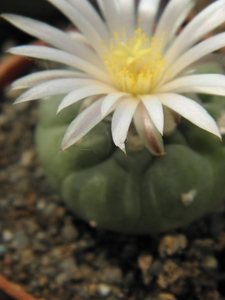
(54, 256)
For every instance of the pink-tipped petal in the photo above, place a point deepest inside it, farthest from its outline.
(155, 110)
(60, 56)
(83, 92)
(191, 111)
(203, 23)
(121, 120)
(39, 77)
(200, 83)
(82, 22)
(173, 16)
(89, 12)
(83, 123)
(53, 36)
(207, 46)
(109, 101)
(147, 131)
(49, 88)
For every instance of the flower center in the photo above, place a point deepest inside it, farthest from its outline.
(136, 65)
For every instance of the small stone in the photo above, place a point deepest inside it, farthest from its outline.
(7, 235)
(67, 264)
(209, 262)
(111, 275)
(27, 158)
(49, 272)
(19, 203)
(144, 263)
(53, 230)
(166, 296)
(41, 204)
(69, 233)
(43, 281)
(170, 245)
(39, 248)
(27, 257)
(4, 204)
(20, 240)
(2, 249)
(104, 290)
(42, 236)
(31, 226)
(63, 278)
(60, 211)
(49, 209)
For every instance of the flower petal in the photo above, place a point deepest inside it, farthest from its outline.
(111, 13)
(109, 101)
(88, 11)
(147, 11)
(201, 83)
(83, 123)
(190, 110)
(49, 88)
(127, 13)
(83, 92)
(38, 77)
(203, 23)
(60, 56)
(173, 16)
(121, 120)
(207, 46)
(83, 23)
(155, 110)
(53, 36)
(147, 131)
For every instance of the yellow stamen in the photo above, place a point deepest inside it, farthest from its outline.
(135, 66)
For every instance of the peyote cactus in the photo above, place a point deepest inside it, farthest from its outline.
(139, 67)
(139, 193)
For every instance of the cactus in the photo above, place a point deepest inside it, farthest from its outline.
(137, 193)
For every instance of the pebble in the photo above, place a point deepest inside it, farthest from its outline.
(20, 240)
(69, 233)
(53, 230)
(209, 262)
(41, 204)
(103, 290)
(30, 226)
(19, 203)
(42, 236)
(67, 264)
(27, 257)
(111, 275)
(26, 158)
(166, 296)
(2, 249)
(63, 278)
(49, 209)
(144, 263)
(7, 235)
(170, 245)
(4, 204)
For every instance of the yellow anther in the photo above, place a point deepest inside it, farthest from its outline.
(135, 66)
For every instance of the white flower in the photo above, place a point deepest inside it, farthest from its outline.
(127, 65)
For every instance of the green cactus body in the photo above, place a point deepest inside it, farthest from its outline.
(137, 193)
